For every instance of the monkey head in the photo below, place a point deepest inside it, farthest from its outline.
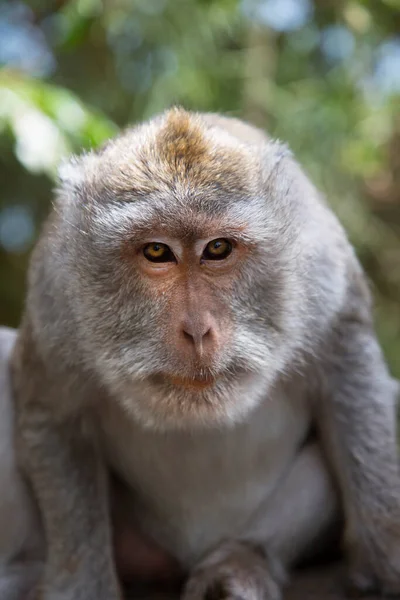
(193, 256)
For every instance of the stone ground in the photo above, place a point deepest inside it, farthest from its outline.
(322, 583)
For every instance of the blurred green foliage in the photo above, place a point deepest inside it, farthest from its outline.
(324, 75)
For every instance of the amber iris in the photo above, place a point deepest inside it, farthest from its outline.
(158, 252)
(217, 249)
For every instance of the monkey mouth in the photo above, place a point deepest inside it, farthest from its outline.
(189, 383)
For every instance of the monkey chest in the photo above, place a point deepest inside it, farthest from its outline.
(188, 490)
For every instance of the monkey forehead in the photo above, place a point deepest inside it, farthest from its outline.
(179, 152)
(180, 221)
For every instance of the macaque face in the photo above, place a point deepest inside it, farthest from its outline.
(192, 281)
(181, 283)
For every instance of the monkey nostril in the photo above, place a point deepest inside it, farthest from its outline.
(197, 338)
(208, 334)
(188, 336)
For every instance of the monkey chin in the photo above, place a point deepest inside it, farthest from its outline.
(165, 402)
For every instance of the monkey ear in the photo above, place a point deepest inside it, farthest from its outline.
(71, 174)
(74, 174)
(275, 152)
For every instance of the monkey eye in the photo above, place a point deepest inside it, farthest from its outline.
(158, 253)
(218, 249)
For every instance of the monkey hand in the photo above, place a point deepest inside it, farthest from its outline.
(234, 571)
(374, 559)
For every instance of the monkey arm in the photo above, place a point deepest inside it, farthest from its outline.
(357, 419)
(69, 481)
(70, 485)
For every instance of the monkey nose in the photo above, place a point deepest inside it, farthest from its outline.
(197, 334)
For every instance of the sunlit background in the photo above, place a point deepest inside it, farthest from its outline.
(324, 75)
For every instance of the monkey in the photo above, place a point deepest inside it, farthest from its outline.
(194, 312)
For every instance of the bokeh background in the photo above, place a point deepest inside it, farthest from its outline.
(323, 75)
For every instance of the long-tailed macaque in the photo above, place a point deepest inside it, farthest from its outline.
(198, 327)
